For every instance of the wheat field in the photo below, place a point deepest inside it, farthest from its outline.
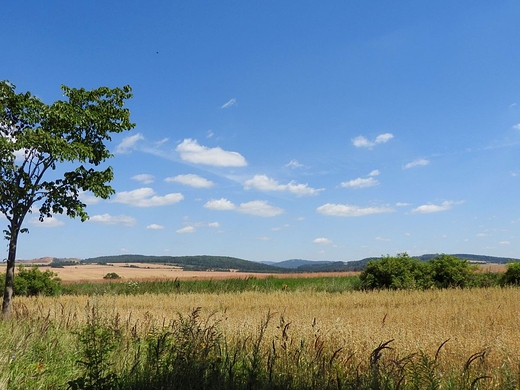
(473, 320)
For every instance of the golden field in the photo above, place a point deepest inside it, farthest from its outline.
(474, 320)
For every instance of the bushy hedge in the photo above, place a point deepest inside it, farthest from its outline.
(512, 274)
(403, 272)
(32, 282)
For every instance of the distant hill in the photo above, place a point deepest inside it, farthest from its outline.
(470, 257)
(296, 263)
(192, 263)
(359, 265)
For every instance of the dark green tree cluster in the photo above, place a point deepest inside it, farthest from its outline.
(403, 272)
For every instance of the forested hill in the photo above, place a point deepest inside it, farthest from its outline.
(198, 263)
(359, 265)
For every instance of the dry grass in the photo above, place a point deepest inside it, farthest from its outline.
(473, 320)
(139, 271)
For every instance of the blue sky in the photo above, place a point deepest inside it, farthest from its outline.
(270, 130)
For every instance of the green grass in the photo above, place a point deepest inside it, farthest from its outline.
(269, 284)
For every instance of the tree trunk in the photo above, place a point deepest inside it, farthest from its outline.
(9, 274)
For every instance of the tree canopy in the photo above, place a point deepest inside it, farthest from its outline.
(36, 137)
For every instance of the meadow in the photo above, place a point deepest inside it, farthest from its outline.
(289, 336)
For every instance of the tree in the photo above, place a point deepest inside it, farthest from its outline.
(512, 274)
(450, 271)
(35, 138)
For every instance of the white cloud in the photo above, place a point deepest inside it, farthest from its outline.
(517, 126)
(263, 238)
(128, 143)
(213, 224)
(346, 210)
(259, 208)
(145, 197)
(417, 163)
(108, 219)
(154, 226)
(46, 223)
(384, 138)
(362, 142)
(88, 198)
(402, 204)
(264, 183)
(360, 183)
(375, 172)
(384, 239)
(229, 103)
(192, 152)
(143, 178)
(432, 208)
(191, 180)
(187, 229)
(293, 164)
(322, 241)
(219, 204)
(504, 243)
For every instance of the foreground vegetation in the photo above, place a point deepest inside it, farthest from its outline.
(401, 324)
(458, 339)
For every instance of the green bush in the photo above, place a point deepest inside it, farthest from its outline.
(512, 274)
(111, 275)
(32, 282)
(397, 273)
(403, 272)
(449, 271)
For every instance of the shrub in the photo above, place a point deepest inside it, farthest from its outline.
(32, 282)
(403, 272)
(399, 272)
(111, 275)
(449, 271)
(512, 274)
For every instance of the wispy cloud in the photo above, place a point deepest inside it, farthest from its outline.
(145, 197)
(128, 143)
(265, 183)
(259, 208)
(229, 103)
(433, 208)
(363, 142)
(417, 163)
(322, 241)
(107, 219)
(155, 226)
(517, 126)
(293, 164)
(346, 210)
(360, 183)
(192, 152)
(143, 178)
(186, 230)
(191, 180)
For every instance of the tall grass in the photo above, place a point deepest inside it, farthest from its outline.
(458, 339)
(215, 286)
